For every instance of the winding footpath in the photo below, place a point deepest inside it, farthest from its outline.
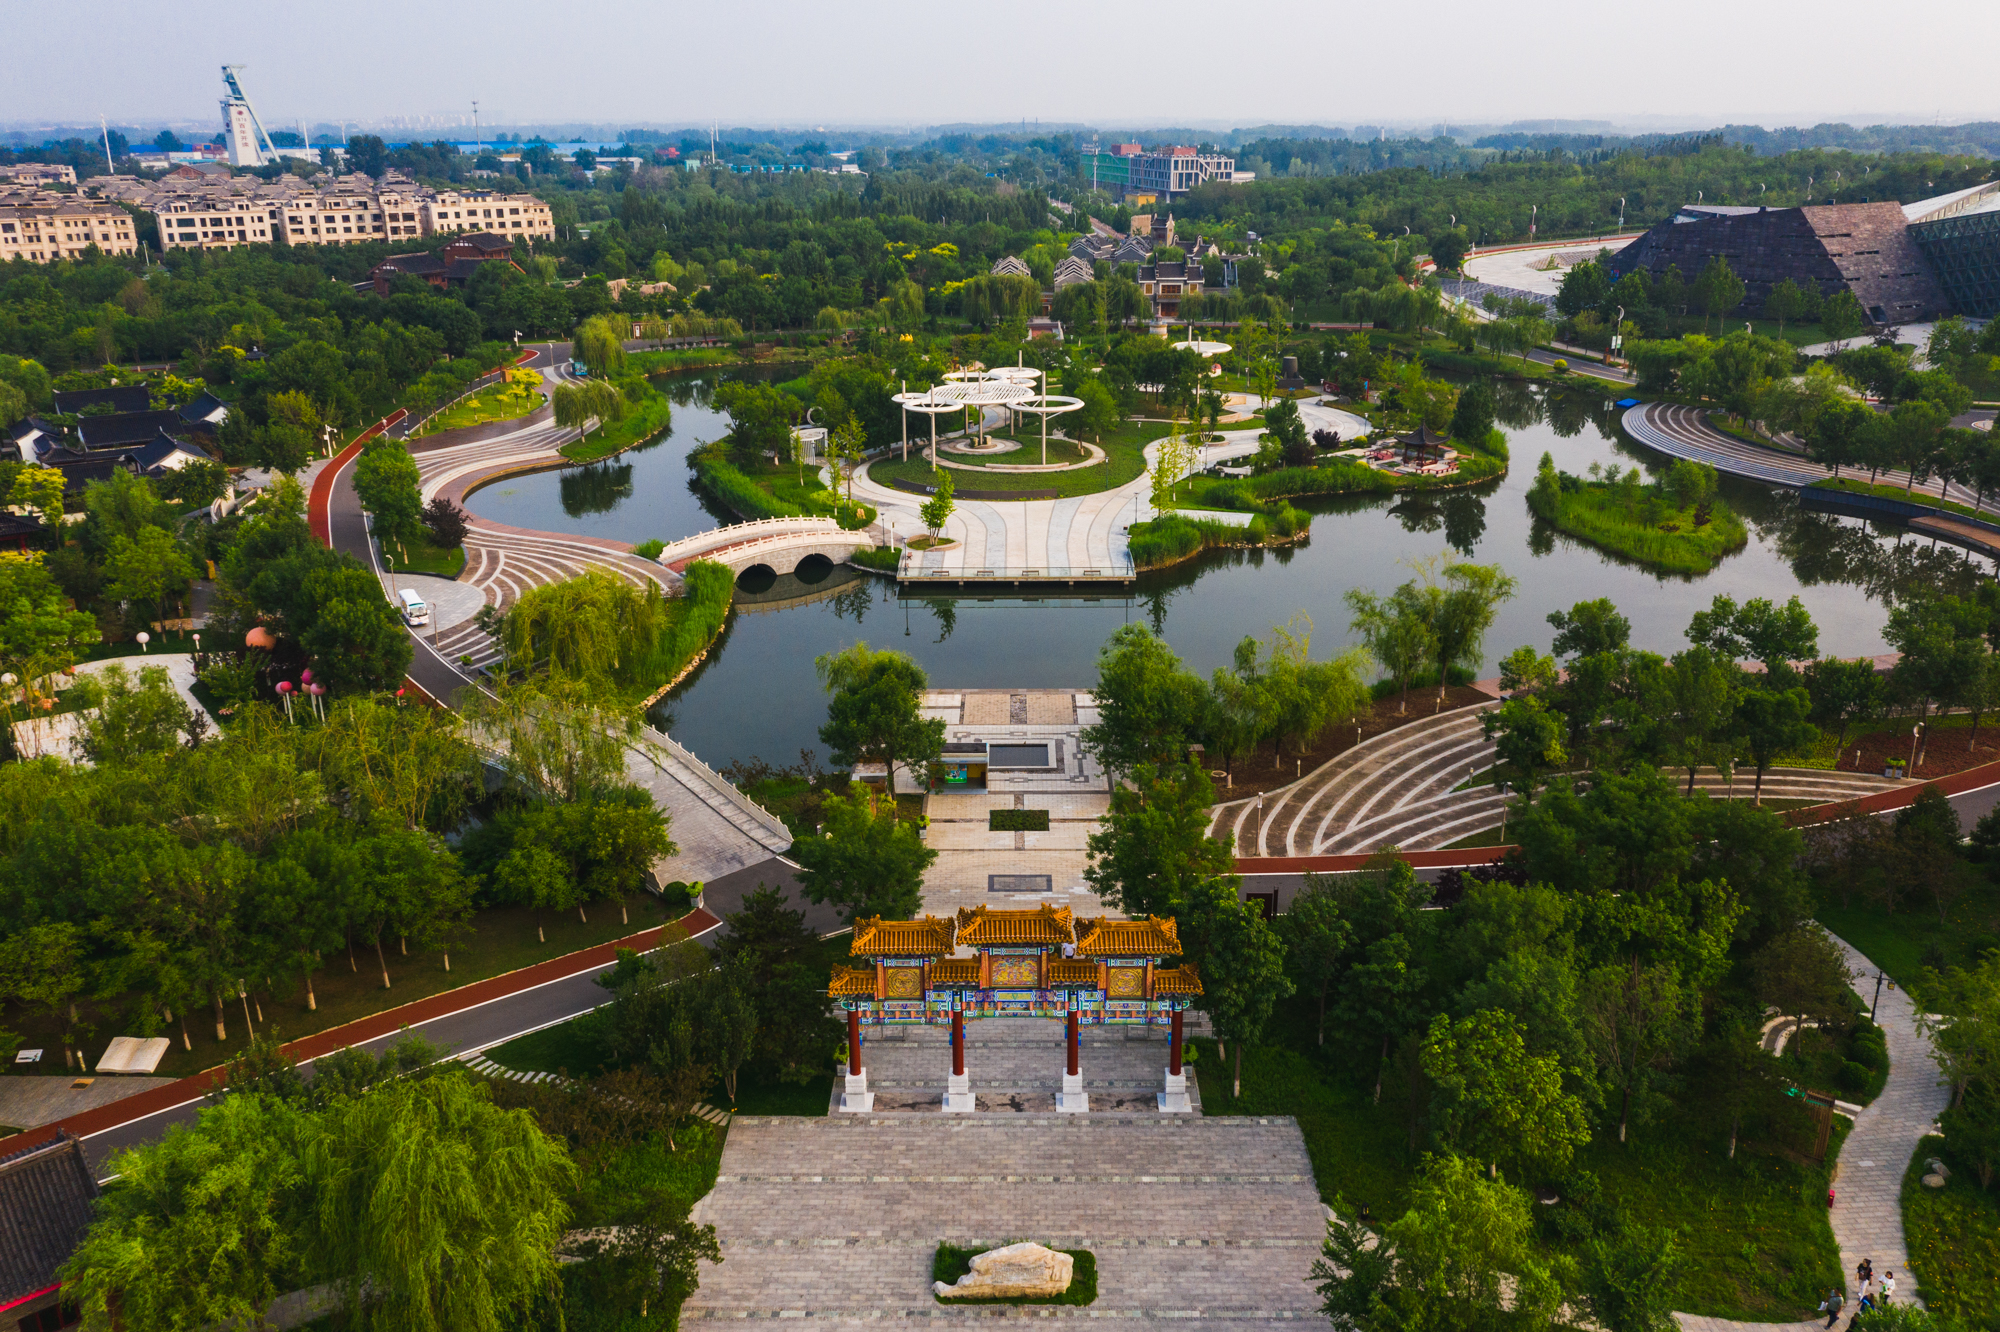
(1867, 1215)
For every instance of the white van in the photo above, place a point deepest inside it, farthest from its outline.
(414, 609)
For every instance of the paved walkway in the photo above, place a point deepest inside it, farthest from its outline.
(833, 1222)
(1015, 1066)
(32, 1099)
(1684, 432)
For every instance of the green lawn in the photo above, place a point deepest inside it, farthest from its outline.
(500, 402)
(1757, 1226)
(1953, 1237)
(642, 421)
(425, 556)
(1125, 463)
(1904, 942)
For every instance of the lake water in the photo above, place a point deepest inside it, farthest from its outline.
(756, 694)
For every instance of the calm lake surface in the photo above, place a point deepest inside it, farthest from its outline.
(756, 694)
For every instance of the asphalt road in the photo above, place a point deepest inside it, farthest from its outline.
(501, 1020)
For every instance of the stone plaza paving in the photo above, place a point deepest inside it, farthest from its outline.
(1016, 1065)
(832, 1222)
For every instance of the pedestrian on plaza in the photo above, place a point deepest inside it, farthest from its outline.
(1834, 1300)
(1888, 1286)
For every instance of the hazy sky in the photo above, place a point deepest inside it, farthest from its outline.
(804, 62)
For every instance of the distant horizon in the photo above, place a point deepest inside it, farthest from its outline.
(898, 66)
(611, 130)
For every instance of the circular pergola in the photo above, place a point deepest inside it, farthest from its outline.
(1202, 348)
(1012, 386)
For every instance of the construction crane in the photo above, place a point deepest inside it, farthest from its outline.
(242, 128)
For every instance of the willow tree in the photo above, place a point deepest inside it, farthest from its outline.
(595, 626)
(577, 405)
(558, 739)
(433, 1208)
(600, 344)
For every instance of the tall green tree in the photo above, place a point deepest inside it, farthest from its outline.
(875, 713)
(386, 482)
(1316, 939)
(1637, 1020)
(1397, 631)
(1241, 962)
(205, 1228)
(1773, 723)
(1153, 848)
(1146, 701)
(1494, 1099)
(865, 861)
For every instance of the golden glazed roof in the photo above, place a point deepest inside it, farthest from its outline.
(1183, 979)
(852, 981)
(955, 971)
(1072, 971)
(1155, 936)
(875, 937)
(982, 927)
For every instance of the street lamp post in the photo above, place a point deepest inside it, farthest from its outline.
(1876, 1000)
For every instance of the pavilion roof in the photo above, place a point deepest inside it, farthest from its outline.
(1183, 979)
(875, 937)
(1102, 936)
(984, 927)
(852, 981)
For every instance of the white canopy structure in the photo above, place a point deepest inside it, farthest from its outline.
(1202, 348)
(1011, 386)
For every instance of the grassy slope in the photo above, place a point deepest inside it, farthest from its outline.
(500, 402)
(426, 557)
(1903, 942)
(1757, 1225)
(1850, 485)
(643, 420)
(1953, 1237)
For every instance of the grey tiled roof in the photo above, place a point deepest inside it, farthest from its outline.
(46, 1194)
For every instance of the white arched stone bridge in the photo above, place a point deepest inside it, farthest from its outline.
(778, 544)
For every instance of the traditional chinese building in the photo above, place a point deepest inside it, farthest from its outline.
(1041, 963)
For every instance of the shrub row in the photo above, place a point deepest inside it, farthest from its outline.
(1175, 537)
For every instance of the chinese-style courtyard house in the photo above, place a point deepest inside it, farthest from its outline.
(1042, 963)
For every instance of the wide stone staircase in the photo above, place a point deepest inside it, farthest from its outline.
(835, 1221)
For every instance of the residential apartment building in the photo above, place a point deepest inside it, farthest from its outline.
(486, 210)
(38, 173)
(44, 228)
(219, 214)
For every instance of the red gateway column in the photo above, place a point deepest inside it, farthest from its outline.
(1174, 1046)
(854, 1040)
(958, 1042)
(1073, 1043)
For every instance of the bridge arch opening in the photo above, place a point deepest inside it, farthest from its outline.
(813, 570)
(757, 578)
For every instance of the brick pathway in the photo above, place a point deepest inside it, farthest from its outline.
(834, 1221)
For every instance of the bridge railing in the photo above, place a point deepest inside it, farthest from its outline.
(731, 793)
(737, 533)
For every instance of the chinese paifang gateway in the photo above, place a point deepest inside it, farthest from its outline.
(1042, 963)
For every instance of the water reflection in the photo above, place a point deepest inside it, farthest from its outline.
(756, 692)
(598, 488)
